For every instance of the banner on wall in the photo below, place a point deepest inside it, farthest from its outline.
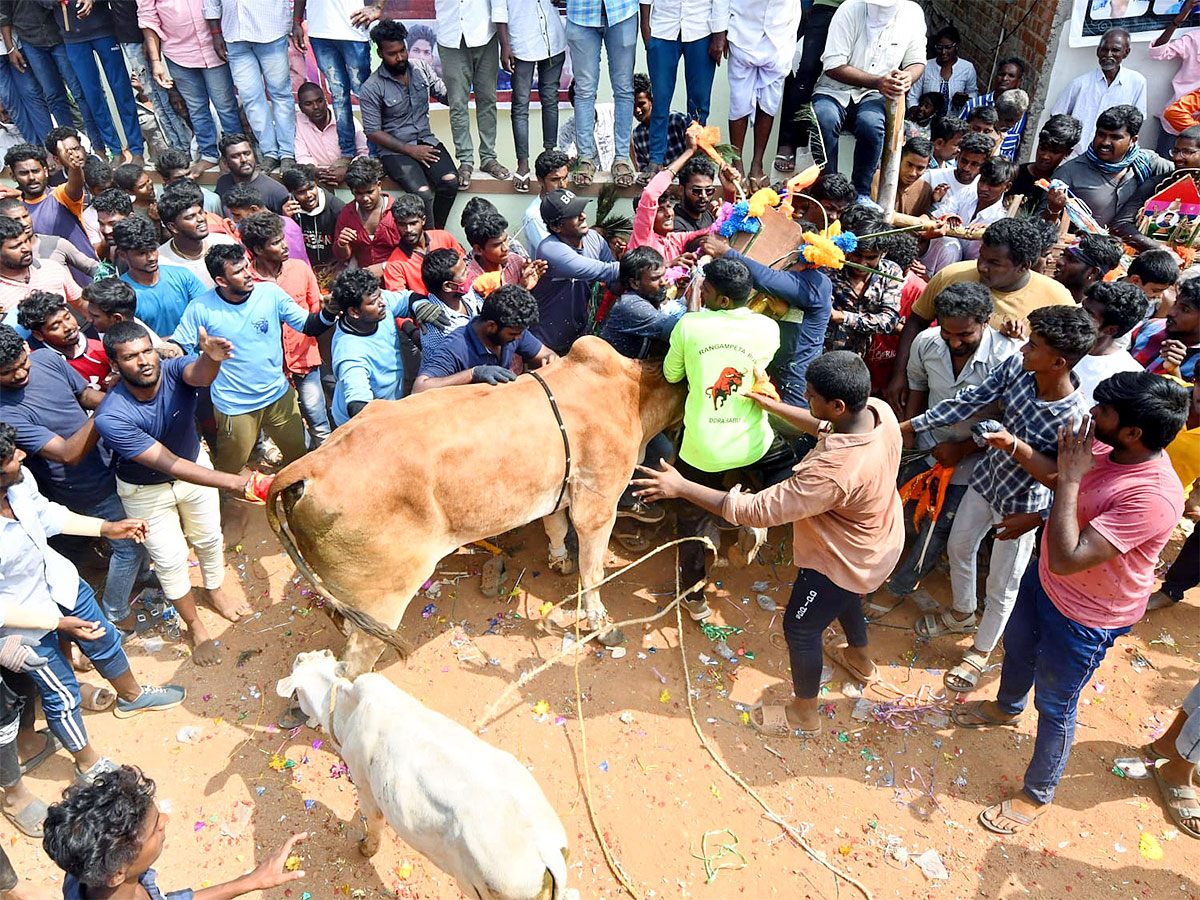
(420, 18)
(1143, 19)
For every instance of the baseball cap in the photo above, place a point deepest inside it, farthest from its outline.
(558, 205)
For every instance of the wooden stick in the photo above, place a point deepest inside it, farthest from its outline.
(889, 162)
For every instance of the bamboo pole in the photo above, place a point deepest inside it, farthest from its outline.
(889, 162)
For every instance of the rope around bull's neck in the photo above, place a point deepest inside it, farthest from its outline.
(609, 857)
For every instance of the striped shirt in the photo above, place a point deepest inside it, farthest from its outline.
(591, 12)
(1006, 486)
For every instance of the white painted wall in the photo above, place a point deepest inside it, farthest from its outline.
(1071, 62)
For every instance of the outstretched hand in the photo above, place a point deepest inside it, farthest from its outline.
(658, 484)
(274, 870)
(218, 349)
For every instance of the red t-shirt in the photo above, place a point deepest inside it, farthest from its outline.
(881, 355)
(370, 249)
(1134, 508)
(92, 364)
(403, 270)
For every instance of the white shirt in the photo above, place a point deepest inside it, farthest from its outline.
(1090, 94)
(330, 20)
(689, 20)
(1091, 370)
(464, 20)
(931, 369)
(33, 575)
(896, 46)
(764, 32)
(535, 29)
(958, 194)
(168, 257)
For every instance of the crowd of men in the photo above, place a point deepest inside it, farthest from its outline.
(1029, 385)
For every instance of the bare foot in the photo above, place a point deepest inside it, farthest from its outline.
(30, 744)
(200, 167)
(228, 602)
(206, 652)
(234, 516)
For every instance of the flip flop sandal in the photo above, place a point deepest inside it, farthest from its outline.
(967, 673)
(758, 182)
(838, 655)
(495, 169)
(634, 541)
(1005, 809)
(876, 611)
(292, 717)
(1149, 752)
(95, 697)
(975, 708)
(464, 176)
(775, 722)
(785, 163)
(52, 747)
(1172, 792)
(29, 820)
(521, 182)
(623, 174)
(932, 625)
(583, 173)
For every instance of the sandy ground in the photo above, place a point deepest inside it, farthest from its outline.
(870, 796)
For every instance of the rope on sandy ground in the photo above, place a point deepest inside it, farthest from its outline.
(737, 779)
(614, 864)
(490, 713)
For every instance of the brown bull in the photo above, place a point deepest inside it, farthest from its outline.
(406, 482)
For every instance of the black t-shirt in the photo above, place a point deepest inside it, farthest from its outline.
(319, 230)
(273, 193)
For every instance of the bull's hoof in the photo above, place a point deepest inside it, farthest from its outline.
(613, 637)
(369, 846)
(563, 565)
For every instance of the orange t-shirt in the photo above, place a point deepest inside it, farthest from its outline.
(300, 352)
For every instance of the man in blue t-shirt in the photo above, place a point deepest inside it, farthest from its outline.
(163, 292)
(367, 362)
(250, 393)
(163, 473)
(46, 401)
(483, 350)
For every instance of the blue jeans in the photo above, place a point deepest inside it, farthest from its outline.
(200, 88)
(549, 75)
(83, 57)
(662, 58)
(345, 65)
(128, 559)
(620, 41)
(53, 72)
(23, 99)
(866, 118)
(273, 121)
(1055, 656)
(311, 397)
(56, 681)
(174, 129)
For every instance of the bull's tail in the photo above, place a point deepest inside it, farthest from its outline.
(277, 507)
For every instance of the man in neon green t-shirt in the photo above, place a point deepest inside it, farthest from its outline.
(718, 350)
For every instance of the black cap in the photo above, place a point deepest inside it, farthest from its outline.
(559, 205)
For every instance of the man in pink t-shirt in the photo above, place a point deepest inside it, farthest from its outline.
(1114, 509)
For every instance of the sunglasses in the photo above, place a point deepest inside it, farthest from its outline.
(703, 191)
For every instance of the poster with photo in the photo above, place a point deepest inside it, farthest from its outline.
(1143, 19)
(420, 18)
